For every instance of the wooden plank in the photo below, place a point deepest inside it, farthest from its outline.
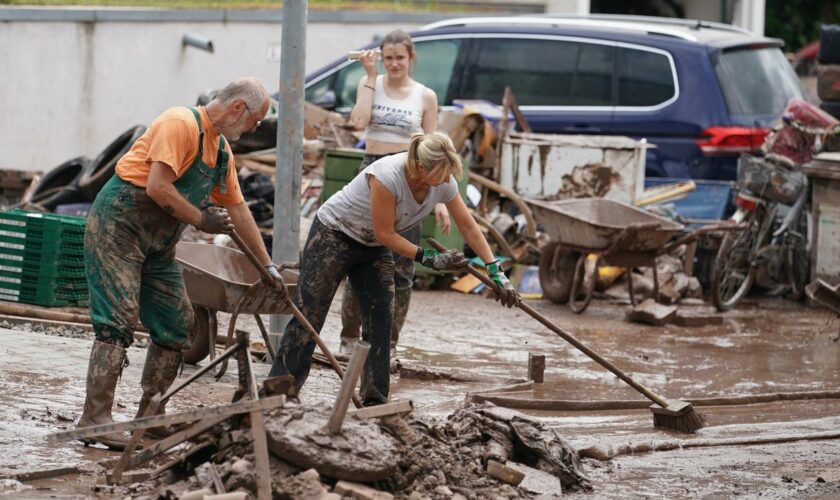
(403, 407)
(223, 411)
(258, 431)
(136, 436)
(514, 106)
(161, 446)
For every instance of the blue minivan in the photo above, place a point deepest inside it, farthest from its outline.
(702, 92)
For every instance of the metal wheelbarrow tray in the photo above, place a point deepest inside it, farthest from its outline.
(595, 224)
(222, 279)
(587, 232)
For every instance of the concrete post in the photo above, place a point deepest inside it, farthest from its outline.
(286, 247)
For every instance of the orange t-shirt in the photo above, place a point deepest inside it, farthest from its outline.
(173, 139)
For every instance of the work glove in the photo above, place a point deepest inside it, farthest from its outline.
(215, 220)
(505, 294)
(279, 284)
(450, 260)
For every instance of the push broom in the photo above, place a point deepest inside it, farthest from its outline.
(669, 414)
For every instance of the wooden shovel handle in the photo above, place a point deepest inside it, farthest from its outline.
(562, 333)
(295, 311)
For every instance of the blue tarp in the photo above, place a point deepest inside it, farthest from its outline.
(711, 199)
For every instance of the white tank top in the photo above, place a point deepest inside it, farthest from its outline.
(395, 120)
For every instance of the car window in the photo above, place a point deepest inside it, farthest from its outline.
(644, 78)
(542, 72)
(435, 61)
(756, 81)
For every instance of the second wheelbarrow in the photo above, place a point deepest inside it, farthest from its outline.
(587, 232)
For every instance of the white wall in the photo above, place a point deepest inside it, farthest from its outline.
(70, 88)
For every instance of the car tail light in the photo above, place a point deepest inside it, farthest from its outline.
(746, 202)
(731, 140)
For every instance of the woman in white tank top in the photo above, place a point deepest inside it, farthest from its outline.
(390, 108)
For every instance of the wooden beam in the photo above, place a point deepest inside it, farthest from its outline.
(161, 446)
(403, 407)
(136, 436)
(224, 411)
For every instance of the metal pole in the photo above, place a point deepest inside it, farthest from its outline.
(289, 145)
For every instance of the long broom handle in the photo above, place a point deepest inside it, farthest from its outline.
(562, 333)
(295, 311)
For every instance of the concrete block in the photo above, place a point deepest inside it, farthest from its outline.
(360, 491)
(697, 317)
(538, 482)
(652, 313)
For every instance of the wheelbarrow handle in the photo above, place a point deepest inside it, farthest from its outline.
(295, 311)
(656, 398)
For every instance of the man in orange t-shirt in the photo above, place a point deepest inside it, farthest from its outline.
(159, 188)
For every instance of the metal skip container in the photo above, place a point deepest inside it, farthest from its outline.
(551, 167)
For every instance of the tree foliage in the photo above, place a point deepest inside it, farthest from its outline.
(797, 22)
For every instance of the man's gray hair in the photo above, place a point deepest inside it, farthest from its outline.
(248, 89)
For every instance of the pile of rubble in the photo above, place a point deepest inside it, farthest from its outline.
(478, 452)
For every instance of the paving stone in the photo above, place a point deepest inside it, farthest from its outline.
(652, 313)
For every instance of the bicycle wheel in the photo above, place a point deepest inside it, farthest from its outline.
(734, 273)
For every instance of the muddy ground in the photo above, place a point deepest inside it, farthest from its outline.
(765, 346)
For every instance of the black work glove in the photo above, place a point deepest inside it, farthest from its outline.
(215, 220)
(450, 260)
(506, 294)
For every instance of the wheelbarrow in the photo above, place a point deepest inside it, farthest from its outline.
(222, 279)
(588, 232)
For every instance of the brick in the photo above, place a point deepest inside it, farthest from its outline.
(652, 313)
(504, 473)
(360, 491)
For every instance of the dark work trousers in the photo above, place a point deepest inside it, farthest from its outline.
(328, 257)
(351, 319)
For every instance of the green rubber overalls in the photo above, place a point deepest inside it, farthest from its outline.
(130, 256)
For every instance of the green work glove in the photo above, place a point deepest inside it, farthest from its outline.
(505, 294)
(450, 260)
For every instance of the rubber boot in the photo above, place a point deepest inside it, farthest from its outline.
(351, 322)
(158, 374)
(104, 369)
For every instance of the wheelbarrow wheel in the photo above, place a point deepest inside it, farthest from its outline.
(583, 283)
(557, 269)
(205, 321)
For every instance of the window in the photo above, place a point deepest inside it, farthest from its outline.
(543, 72)
(435, 62)
(756, 81)
(644, 78)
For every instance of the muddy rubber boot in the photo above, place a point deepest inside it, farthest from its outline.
(104, 369)
(158, 374)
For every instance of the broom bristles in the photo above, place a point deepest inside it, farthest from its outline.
(688, 422)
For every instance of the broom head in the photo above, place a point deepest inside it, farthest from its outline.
(678, 416)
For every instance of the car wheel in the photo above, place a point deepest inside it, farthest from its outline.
(101, 169)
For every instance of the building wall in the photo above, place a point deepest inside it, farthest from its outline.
(73, 84)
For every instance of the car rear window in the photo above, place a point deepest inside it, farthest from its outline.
(756, 81)
(644, 78)
(542, 72)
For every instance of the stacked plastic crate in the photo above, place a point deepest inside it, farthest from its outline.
(42, 259)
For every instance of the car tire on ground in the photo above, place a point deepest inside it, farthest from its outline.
(829, 44)
(59, 186)
(102, 167)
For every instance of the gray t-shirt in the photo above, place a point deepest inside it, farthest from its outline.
(348, 210)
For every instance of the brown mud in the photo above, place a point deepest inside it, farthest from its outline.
(764, 346)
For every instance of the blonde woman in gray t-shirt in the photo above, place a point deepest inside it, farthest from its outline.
(390, 108)
(356, 234)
